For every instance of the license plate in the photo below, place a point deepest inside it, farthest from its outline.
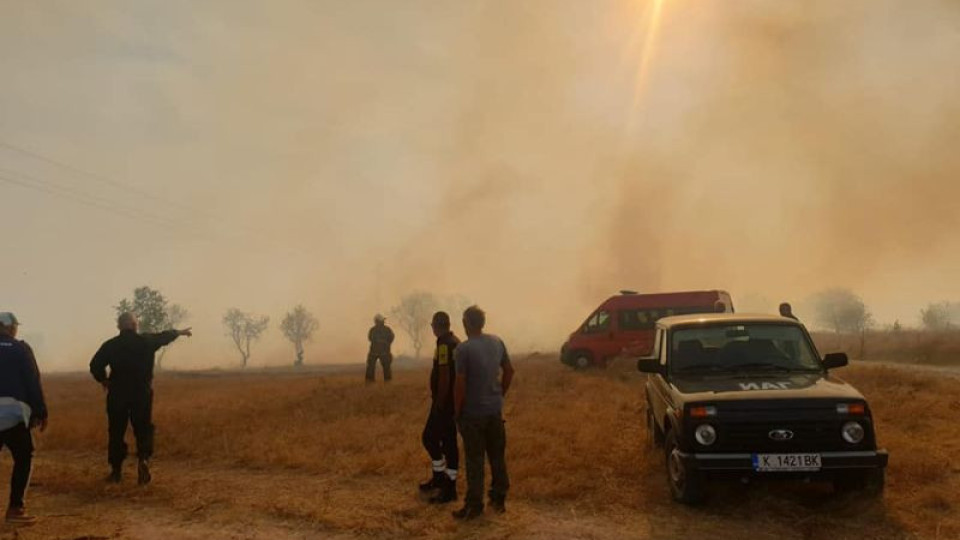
(786, 462)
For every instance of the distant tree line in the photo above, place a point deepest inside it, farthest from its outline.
(156, 314)
(412, 315)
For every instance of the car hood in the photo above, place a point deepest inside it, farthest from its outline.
(765, 386)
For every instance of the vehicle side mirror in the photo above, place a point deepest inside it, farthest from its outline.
(835, 360)
(648, 364)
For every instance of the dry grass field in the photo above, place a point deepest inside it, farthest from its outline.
(310, 455)
(907, 346)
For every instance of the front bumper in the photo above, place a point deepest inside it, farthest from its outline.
(829, 461)
(565, 356)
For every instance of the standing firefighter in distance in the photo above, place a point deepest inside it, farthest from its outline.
(786, 310)
(440, 433)
(129, 387)
(381, 338)
(21, 407)
(478, 398)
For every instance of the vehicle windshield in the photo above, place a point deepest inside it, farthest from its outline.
(741, 348)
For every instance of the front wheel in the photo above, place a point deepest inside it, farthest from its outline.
(686, 483)
(870, 482)
(582, 361)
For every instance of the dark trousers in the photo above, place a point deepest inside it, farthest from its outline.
(440, 437)
(20, 443)
(137, 410)
(485, 436)
(385, 360)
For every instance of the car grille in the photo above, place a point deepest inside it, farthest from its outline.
(808, 436)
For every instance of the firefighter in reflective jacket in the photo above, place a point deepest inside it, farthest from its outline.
(381, 338)
(440, 433)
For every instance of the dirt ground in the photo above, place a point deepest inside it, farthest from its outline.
(320, 455)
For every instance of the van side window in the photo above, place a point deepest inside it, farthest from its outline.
(638, 319)
(598, 322)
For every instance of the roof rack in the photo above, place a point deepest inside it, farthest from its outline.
(626, 292)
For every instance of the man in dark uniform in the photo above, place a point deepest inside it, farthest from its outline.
(381, 338)
(129, 387)
(440, 433)
(22, 407)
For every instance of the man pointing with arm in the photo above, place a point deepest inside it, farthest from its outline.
(129, 387)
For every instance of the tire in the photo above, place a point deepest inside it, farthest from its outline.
(686, 483)
(869, 482)
(582, 361)
(654, 433)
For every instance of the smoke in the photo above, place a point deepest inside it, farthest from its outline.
(341, 155)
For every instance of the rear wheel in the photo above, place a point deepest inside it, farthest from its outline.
(686, 483)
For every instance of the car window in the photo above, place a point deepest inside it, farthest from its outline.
(638, 319)
(598, 322)
(761, 347)
(646, 318)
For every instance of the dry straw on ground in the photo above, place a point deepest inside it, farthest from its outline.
(276, 455)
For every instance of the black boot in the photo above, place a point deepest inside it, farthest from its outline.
(143, 472)
(433, 483)
(468, 512)
(116, 474)
(448, 491)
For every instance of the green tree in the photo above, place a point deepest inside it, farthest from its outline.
(154, 313)
(150, 307)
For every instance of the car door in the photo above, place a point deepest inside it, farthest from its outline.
(597, 335)
(659, 393)
(636, 330)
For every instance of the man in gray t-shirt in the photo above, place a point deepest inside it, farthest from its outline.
(478, 404)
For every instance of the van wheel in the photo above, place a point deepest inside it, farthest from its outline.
(686, 483)
(582, 361)
(654, 433)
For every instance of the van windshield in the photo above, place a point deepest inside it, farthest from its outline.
(741, 348)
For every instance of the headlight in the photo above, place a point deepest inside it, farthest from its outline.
(852, 432)
(705, 434)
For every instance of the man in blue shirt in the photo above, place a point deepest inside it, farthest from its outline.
(21, 407)
(478, 401)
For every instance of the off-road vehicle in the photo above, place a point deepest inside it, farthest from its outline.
(748, 396)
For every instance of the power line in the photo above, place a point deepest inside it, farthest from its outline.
(98, 177)
(111, 206)
(52, 188)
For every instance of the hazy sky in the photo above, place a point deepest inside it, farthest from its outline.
(533, 156)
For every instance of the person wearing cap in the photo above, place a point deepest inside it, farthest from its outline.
(440, 433)
(22, 407)
(129, 387)
(381, 338)
(478, 407)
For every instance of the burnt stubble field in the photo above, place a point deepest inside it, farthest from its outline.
(319, 455)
